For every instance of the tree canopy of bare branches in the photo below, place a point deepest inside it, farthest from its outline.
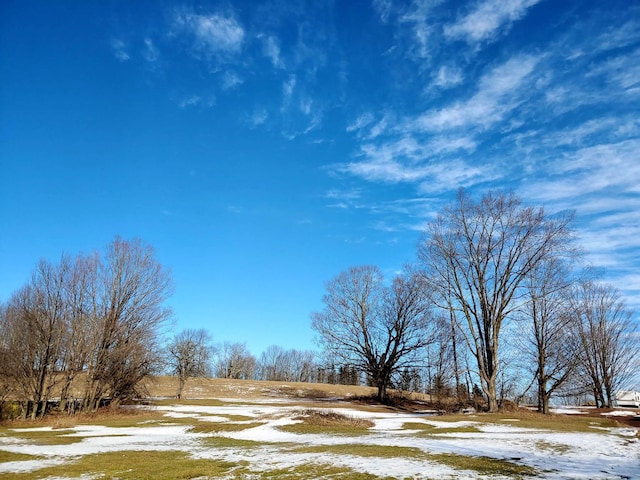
(98, 317)
(609, 346)
(378, 329)
(549, 342)
(234, 360)
(277, 363)
(477, 255)
(189, 355)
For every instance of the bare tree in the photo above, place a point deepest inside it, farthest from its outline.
(608, 344)
(478, 255)
(79, 286)
(235, 361)
(34, 326)
(548, 338)
(274, 364)
(303, 365)
(441, 367)
(189, 356)
(379, 330)
(292, 365)
(85, 315)
(127, 314)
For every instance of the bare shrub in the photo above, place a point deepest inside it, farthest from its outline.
(330, 418)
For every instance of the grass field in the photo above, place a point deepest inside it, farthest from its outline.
(241, 429)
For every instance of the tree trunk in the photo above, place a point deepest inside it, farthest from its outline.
(455, 355)
(181, 382)
(382, 392)
(543, 398)
(492, 398)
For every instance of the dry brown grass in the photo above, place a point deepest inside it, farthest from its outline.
(330, 419)
(104, 416)
(328, 422)
(165, 386)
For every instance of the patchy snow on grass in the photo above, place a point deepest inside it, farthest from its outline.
(608, 454)
(567, 411)
(621, 413)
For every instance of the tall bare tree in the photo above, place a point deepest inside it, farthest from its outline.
(608, 338)
(379, 330)
(34, 329)
(303, 365)
(235, 361)
(274, 364)
(190, 354)
(548, 337)
(127, 314)
(101, 318)
(478, 254)
(79, 286)
(292, 365)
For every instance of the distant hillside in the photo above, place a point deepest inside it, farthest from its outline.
(165, 386)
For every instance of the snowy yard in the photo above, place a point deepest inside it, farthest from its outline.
(259, 438)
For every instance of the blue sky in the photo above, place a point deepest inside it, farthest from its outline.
(263, 147)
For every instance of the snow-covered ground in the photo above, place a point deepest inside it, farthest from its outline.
(599, 455)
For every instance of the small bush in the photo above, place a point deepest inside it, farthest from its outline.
(332, 419)
(10, 410)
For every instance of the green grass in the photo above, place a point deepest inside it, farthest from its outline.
(428, 429)
(128, 422)
(552, 447)
(152, 465)
(328, 422)
(136, 465)
(16, 457)
(359, 450)
(214, 427)
(226, 442)
(206, 402)
(481, 465)
(44, 437)
(313, 470)
(484, 465)
(556, 423)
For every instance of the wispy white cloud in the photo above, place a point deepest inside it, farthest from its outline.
(422, 27)
(622, 71)
(456, 173)
(384, 8)
(287, 89)
(381, 127)
(230, 79)
(120, 50)
(602, 183)
(452, 143)
(408, 160)
(362, 121)
(343, 199)
(499, 92)
(299, 111)
(258, 117)
(150, 52)
(271, 50)
(487, 19)
(619, 36)
(432, 148)
(587, 38)
(447, 77)
(212, 34)
(197, 101)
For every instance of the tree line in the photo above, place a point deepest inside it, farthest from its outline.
(93, 320)
(498, 305)
(498, 301)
